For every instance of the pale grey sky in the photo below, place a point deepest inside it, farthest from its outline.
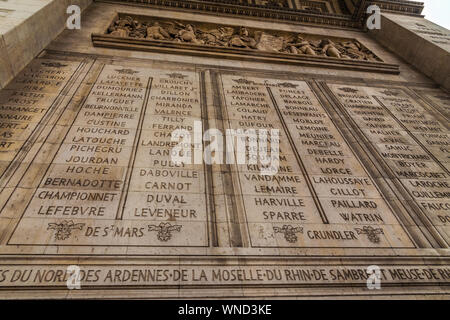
(437, 11)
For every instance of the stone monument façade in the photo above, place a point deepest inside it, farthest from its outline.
(87, 179)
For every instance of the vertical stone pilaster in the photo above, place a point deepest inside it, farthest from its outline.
(420, 42)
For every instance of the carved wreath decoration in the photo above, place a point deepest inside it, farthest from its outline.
(164, 230)
(289, 232)
(372, 233)
(64, 229)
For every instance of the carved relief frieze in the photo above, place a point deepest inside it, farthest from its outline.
(151, 33)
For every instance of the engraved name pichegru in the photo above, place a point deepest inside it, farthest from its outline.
(223, 36)
(321, 195)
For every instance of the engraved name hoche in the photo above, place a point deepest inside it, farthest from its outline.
(410, 141)
(112, 181)
(321, 196)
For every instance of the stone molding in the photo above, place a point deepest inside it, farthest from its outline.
(288, 11)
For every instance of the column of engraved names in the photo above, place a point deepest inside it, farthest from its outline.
(276, 206)
(78, 199)
(428, 130)
(26, 100)
(431, 194)
(410, 161)
(167, 199)
(357, 213)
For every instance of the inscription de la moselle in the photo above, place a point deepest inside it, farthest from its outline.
(309, 153)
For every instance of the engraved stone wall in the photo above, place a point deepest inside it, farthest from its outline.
(87, 176)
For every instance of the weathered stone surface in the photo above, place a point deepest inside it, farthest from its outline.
(423, 43)
(88, 178)
(27, 28)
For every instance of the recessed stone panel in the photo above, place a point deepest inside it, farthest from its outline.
(331, 201)
(102, 187)
(409, 143)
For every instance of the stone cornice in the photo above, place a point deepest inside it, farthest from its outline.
(286, 13)
(230, 7)
(399, 6)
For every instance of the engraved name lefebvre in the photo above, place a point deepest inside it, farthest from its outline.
(223, 36)
(112, 181)
(336, 204)
(410, 139)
